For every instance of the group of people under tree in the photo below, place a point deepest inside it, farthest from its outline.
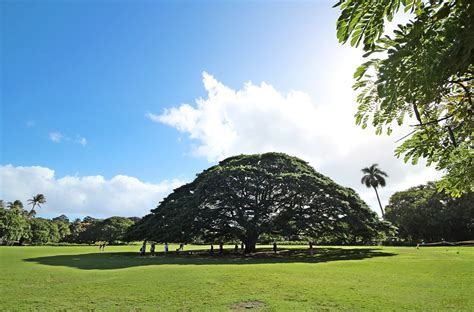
(102, 246)
(211, 250)
(153, 248)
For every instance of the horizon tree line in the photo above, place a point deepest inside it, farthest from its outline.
(432, 215)
(19, 226)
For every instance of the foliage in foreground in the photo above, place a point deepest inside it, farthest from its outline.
(425, 70)
(422, 213)
(248, 197)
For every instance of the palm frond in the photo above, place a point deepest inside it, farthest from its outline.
(373, 177)
(380, 172)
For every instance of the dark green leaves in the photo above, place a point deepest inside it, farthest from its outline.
(246, 196)
(421, 213)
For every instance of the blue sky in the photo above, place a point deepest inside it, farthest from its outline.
(92, 69)
(82, 82)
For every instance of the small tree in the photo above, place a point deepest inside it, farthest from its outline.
(76, 228)
(113, 229)
(40, 231)
(61, 218)
(63, 228)
(89, 230)
(13, 226)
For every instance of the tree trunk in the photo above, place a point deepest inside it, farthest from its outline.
(250, 244)
(380, 204)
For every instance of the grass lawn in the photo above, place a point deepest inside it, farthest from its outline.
(336, 278)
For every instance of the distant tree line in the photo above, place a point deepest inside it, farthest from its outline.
(422, 213)
(18, 226)
(418, 214)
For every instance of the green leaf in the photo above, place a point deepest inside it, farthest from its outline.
(360, 71)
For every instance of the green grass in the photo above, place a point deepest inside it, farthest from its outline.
(339, 278)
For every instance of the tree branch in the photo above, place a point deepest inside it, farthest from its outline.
(451, 135)
(433, 121)
(406, 135)
(417, 113)
(466, 89)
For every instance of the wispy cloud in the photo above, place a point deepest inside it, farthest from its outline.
(153, 117)
(81, 140)
(56, 137)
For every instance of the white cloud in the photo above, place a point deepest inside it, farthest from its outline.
(81, 140)
(80, 196)
(152, 117)
(259, 118)
(56, 137)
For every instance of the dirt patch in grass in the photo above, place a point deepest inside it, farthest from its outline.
(247, 305)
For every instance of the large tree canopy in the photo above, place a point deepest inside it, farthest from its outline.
(425, 70)
(246, 196)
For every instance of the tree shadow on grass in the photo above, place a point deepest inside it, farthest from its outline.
(121, 260)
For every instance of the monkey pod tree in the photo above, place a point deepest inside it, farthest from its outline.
(246, 196)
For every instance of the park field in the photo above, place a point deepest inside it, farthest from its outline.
(334, 278)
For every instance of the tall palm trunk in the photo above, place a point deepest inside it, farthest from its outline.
(380, 204)
(32, 212)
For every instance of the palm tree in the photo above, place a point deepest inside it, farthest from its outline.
(17, 206)
(374, 177)
(36, 201)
